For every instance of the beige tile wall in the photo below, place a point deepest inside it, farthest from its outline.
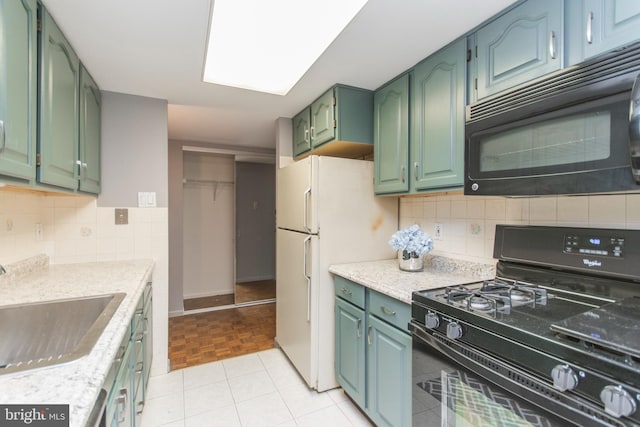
(74, 229)
(468, 222)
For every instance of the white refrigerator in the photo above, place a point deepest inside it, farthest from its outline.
(326, 213)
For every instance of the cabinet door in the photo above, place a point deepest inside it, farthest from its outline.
(350, 359)
(90, 105)
(525, 43)
(391, 137)
(301, 132)
(609, 24)
(323, 124)
(437, 119)
(18, 91)
(58, 132)
(389, 374)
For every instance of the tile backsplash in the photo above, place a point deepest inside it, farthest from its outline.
(468, 222)
(73, 229)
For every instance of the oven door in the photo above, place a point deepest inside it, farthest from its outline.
(449, 392)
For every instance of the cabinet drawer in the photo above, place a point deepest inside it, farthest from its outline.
(389, 309)
(349, 291)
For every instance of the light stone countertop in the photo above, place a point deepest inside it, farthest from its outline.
(78, 382)
(386, 278)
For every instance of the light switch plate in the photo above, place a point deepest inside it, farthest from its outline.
(146, 199)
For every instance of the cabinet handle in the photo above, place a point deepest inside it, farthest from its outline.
(402, 172)
(122, 400)
(313, 133)
(359, 333)
(3, 142)
(552, 45)
(141, 405)
(369, 335)
(415, 170)
(346, 291)
(306, 136)
(590, 27)
(388, 311)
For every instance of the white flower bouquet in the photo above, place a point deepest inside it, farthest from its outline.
(412, 244)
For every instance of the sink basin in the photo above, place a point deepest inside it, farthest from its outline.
(48, 333)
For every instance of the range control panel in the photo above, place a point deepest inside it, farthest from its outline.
(608, 246)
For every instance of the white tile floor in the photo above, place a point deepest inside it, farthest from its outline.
(260, 389)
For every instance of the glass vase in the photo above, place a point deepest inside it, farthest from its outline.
(410, 261)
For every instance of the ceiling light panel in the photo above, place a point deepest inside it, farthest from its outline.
(267, 46)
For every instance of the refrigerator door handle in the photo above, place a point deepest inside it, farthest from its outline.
(306, 195)
(307, 276)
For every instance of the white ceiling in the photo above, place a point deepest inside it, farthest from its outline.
(156, 48)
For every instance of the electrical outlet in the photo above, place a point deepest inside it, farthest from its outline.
(437, 231)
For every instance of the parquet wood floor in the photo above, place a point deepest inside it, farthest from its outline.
(205, 337)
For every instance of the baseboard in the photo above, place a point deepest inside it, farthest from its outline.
(176, 313)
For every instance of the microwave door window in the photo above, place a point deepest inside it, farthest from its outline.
(576, 140)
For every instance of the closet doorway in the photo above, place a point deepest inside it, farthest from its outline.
(228, 231)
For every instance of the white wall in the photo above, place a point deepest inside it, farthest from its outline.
(468, 222)
(208, 227)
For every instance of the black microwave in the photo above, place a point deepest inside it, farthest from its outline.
(575, 131)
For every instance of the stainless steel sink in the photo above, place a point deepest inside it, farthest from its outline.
(52, 332)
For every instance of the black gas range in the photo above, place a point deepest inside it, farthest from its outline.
(556, 333)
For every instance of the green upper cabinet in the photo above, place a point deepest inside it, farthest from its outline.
(59, 112)
(90, 130)
(391, 136)
(18, 89)
(524, 43)
(437, 119)
(596, 26)
(338, 123)
(301, 132)
(323, 122)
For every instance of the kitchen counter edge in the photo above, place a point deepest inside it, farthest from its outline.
(385, 276)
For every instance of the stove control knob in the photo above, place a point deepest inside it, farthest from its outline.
(564, 378)
(617, 401)
(454, 331)
(432, 320)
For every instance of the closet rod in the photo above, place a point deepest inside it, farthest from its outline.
(205, 181)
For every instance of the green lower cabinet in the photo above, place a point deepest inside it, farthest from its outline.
(350, 369)
(388, 374)
(373, 353)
